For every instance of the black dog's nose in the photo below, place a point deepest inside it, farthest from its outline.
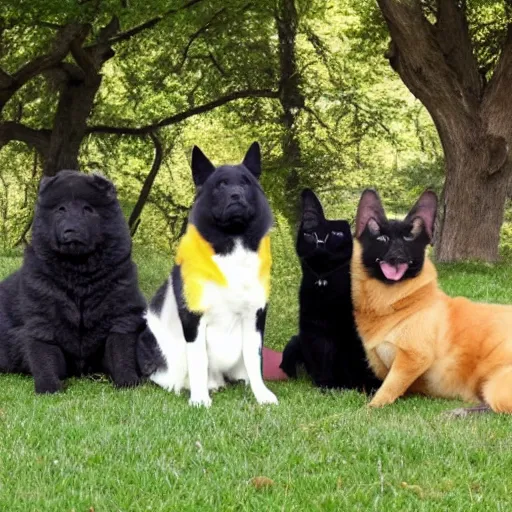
(69, 234)
(235, 196)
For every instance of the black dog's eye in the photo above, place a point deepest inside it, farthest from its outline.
(339, 234)
(383, 238)
(222, 183)
(245, 180)
(62, 209)
(88, 209)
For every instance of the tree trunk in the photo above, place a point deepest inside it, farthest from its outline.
(473, 119)
(291, 99)
(473, 202)
(75, 105)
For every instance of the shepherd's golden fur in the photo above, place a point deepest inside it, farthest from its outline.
(419, 339)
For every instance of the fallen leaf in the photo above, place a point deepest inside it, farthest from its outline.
(415, 488)
(261, 482)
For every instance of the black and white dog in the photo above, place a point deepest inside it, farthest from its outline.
(208, 317)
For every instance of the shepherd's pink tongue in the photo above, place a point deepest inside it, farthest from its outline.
(393, 272)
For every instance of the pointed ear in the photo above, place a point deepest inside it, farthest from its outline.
(201, 167)
(45, 182)
(425, 209)
(104, 185)
(370, 210)
(312, 211)
(252, 159)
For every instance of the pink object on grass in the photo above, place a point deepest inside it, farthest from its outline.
(271, 362)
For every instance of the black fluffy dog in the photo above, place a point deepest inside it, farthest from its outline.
(74, 306)
(327, 343)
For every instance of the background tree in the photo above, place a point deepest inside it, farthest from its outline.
(300, 76)
(456, 58)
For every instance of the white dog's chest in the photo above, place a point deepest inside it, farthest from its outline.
(244, 293)
(231, 310)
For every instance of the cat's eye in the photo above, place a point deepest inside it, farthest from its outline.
(309, 236)
(62, 209)
(409, 238)
(339, 234)
(88, 209)
(383, 238)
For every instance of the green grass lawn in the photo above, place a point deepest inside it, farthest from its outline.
(95, 448)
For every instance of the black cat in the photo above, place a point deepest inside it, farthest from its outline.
(327, 343)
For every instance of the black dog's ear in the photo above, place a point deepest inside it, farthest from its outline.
(369, 213)
(424, 209)
(252, 159)
(104, 185)
(312, 211)
(45, 182)
(201, 167)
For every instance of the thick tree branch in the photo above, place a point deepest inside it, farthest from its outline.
(417, 57)
(176, 118)
(454, 40)
(134, 220)
(497, 101)
(38, 139)
(63, 41)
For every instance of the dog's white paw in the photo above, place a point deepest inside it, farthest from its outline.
(200, 401)
(265, 396)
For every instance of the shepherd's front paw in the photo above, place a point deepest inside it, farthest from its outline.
(200, 401)
(265, 396)
(380, 400)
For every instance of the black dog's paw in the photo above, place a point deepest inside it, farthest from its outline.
(291, 357)
(149, 356)
(126, 379)
(48, 386)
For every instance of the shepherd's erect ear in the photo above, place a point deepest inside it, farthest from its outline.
(370, 210)
(201, 167)
(312, 211)
(425, 209)
(252, 159)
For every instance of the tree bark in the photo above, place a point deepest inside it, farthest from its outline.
(75, 105)
(473, 120)
(291, 99)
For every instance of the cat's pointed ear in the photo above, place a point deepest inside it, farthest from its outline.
(369, 213)
(202, 168)
(312, 211)
(252, 160)
(423, 213)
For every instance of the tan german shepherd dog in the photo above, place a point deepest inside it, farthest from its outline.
(417, 338)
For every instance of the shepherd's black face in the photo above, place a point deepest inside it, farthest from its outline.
(72, 209)
(394, 250)
(228, 197)
(322, 243)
